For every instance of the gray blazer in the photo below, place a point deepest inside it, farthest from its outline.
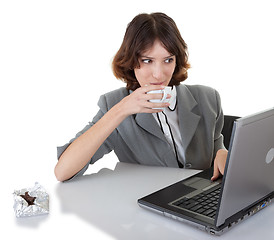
(139, 139)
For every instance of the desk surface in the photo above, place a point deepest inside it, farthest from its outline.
(104, 205)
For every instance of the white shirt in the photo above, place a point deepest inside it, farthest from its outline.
(169, 124)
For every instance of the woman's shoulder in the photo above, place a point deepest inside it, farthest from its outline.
(203, 95)
(198, 89)
(111, 98)
(201, 91)
(117, 93)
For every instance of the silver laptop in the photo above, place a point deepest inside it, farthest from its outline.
(246, 187)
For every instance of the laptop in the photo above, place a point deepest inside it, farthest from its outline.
(246, 187)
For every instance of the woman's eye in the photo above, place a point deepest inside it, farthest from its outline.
(169, 60)
(146, 60)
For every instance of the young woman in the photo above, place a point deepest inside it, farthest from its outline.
(185, 132)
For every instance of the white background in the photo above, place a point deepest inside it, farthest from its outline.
(55, 62)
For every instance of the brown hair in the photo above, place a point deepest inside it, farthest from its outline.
(140, 34)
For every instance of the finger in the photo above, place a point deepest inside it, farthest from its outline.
(150, 110)
(152, 105)
(151, 96)
(216, 172)
(148, 88)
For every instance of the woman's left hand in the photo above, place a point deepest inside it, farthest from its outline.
(219, 164)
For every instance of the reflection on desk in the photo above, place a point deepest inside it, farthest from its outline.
(108, 200)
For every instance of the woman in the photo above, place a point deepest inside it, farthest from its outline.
(184, 132)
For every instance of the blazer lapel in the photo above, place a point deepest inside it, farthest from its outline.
(188, 121)
(147, 122)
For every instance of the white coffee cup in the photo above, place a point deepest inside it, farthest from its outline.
(165, 92)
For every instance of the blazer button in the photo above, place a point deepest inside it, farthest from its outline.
(188, 165)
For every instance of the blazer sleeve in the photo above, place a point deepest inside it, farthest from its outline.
(105, 148)
(218, 137)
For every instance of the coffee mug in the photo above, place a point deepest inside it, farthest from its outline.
(165, 92)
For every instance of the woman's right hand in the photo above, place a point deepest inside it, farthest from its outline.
(138, 101)
(82, 149)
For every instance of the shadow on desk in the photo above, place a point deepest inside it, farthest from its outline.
(108, 200)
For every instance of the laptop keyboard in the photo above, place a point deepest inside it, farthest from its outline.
(204, 203)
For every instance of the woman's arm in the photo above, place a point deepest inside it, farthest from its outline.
(81, 150)
(221, 154)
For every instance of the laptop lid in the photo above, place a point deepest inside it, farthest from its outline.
(249, 172)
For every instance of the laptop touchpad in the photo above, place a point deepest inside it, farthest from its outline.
(197, 182)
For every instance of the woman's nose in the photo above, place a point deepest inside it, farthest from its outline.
(157, 72)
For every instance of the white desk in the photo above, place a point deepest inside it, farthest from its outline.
(104, 206)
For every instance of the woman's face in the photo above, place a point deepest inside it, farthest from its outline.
(156, 66)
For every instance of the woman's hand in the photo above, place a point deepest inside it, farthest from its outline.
(219, 164)
(138, 101)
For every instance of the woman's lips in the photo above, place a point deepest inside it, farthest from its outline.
(161, 83)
